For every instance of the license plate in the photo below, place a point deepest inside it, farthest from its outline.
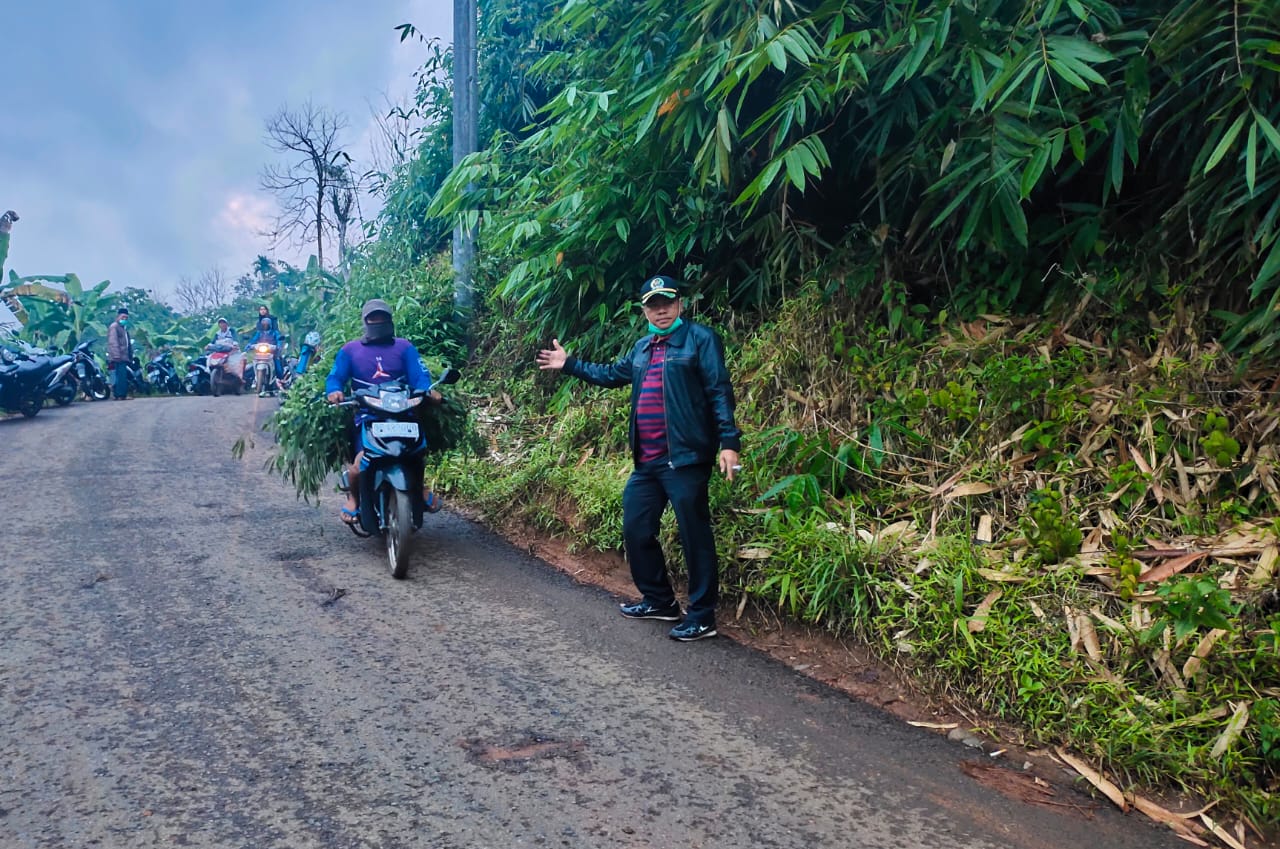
(80, 369)
(407, 430)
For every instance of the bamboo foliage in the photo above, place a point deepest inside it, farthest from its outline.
(737, 143)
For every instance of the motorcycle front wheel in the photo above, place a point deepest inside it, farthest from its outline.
(262, 379)
(215, 381)
(30, 406)
(399, 522)
(98, 389)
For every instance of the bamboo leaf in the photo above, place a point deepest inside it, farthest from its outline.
(978, 79)
(1270, 269)
(777, 55)
(1075, 135)
(1035, 168)
(722, 129)
(795, 167)
(1251, 158)
(1268, 130)
(1224, 145)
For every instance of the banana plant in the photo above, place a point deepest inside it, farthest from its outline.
(19, 286)
(76, 311)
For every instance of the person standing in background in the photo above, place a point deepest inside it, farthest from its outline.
(119, 354)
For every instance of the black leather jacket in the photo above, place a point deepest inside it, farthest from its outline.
(696, 392)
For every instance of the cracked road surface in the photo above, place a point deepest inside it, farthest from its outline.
(189, 656)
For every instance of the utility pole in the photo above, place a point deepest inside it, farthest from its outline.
(466, 115)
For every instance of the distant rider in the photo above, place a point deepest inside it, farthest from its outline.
(266, 333)
(379, 357)
(225, 335)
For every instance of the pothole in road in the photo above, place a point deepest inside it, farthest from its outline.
(515, 754)
(1022, 787)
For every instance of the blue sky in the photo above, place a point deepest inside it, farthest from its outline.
(131, 133)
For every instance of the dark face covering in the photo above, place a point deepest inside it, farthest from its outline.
(379, 332)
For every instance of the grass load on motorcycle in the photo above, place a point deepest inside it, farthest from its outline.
(315, 438)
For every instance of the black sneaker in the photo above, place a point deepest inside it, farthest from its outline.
(687, 632)
(644, 610)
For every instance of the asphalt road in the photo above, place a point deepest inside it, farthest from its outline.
(189, 656)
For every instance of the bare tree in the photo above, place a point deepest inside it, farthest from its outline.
(211, 290)
(396, 126)
(310, 135)
(344, 204)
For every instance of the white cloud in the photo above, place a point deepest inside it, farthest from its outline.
(245, 217)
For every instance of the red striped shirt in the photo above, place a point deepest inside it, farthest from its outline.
(651, 413)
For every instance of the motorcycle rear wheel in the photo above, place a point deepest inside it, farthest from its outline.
(399, 524)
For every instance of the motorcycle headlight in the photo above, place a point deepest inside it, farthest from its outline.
(392, 402)
(263, 349)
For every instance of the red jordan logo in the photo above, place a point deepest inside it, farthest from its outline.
(379, 373)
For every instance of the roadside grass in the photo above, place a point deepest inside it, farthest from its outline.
(1072, 534)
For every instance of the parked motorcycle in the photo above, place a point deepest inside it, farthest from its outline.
(138, 383)
(61, 385)
(197, 381)
(390, 479)
(162, 375)
(89, 374)
(226, 368)
(264, 368)
(22, 381)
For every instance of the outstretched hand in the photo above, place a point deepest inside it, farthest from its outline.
(730, 463)
(552, 358)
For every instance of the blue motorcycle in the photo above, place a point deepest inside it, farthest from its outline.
(391, 469)
(310, 345)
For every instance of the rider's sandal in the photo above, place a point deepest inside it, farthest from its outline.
(351, 518)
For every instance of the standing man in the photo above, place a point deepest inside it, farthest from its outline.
(119, 354)
(681, 413)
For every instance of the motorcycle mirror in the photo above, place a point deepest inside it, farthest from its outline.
(449, 376)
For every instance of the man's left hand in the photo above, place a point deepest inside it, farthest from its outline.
(730, 464)
(436, 397)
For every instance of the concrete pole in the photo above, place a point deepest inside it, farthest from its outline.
(466, 118)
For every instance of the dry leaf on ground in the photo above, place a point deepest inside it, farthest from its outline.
(1095, 778)
(1171, 567)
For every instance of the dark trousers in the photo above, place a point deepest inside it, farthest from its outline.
(648, 491)
(121, 372)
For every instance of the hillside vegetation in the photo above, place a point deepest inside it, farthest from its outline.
(998, 282)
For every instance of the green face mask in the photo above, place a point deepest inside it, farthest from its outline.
(672, 329)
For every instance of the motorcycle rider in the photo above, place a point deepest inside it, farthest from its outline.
(380, 356)
(265, 312)
(266, 333)
(224, 333)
